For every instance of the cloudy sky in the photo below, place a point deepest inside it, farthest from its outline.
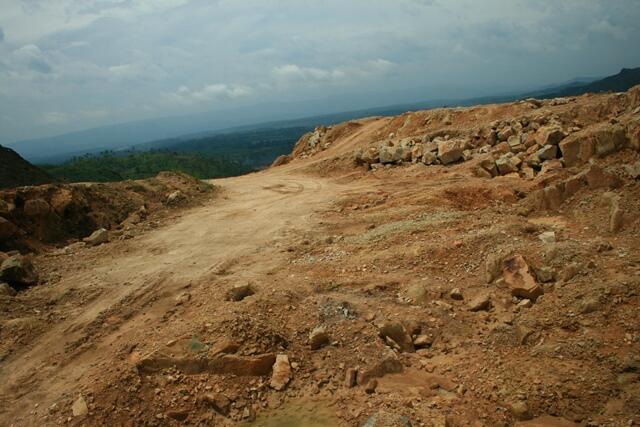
(74, 64)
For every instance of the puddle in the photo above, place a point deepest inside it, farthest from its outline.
(297, 414)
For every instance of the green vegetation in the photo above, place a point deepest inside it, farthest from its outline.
(109, 166)
(203, 156)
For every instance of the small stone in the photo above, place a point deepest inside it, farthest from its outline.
(456, 294)
(79, 407)
(423, 341)
(351, 377)
(318, 338)
(517, 275)
(525, 303)
(98, 237)
(481, 302)
(18, 270)
(547, 237)
(520, 411)
(397, 333)
(371, 386)
(281, 372)
(218, 401)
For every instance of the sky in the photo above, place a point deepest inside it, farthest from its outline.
(67, 65)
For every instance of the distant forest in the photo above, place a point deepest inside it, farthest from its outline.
(203, 157)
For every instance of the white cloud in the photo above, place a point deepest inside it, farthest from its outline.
(294, 73)
(59, 117)
(211, 92)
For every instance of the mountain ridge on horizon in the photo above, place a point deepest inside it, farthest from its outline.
(131, 134)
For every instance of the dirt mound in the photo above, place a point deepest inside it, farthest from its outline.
(16, 171)
(58, 214)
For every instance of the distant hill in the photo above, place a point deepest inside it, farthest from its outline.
(124, 136)
(621, 82)
(17, 172)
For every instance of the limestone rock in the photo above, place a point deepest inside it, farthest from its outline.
(480, 302)
(517, 275)
(450, 151)
(371, 155)
(318, 338)
(79, 407)
(98, 237)
(396, 332)
(281, 372)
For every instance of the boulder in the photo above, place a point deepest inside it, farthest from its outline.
(391, 154)
(397, 333)
(281, 372)
(98, 237)
(505, 133)
(36, 208)
(490, 166)
(390, 364)
(417, 152)
(18, 270)
(7, 229)
(450, 151)
(517, 275)
(599, 140)
(502, 148)
(551, 135)
(548, 152)
(507, 164)
(318, 338)
(429, 158)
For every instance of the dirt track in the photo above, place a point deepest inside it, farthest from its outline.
(138, 281)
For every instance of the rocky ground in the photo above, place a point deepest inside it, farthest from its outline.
(457, 267)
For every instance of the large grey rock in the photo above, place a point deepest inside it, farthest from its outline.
(18, 270)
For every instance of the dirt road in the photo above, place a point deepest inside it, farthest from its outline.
(120, 294)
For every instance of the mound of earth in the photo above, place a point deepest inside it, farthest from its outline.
(34, 217)
(16, 171)
(454, 267)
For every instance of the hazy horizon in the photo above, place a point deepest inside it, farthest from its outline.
(67, 65)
